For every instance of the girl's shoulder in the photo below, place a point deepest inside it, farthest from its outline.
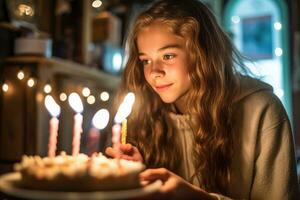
(256, 99)
(249, 87)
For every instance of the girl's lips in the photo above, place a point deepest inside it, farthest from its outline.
(161, 88)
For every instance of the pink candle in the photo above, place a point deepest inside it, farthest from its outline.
(93, 141)
(77, 130)
(116, 135)
(99, 121)
(53, 123)
(76, 103)
(54, 110)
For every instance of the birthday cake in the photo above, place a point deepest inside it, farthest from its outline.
(78, 173)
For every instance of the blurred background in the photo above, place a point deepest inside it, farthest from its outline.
(58, 47)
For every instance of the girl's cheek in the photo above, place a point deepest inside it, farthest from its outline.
(147, 73)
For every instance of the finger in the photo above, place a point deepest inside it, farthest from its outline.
(154, 174)
(126, 148)
(113, 153)
(137, 155)
(126, 157)
(110, 152)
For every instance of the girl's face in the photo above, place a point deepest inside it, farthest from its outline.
(165, 61)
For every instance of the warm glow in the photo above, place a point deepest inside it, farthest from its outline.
(75, 102)
(91, 99)
(96, 3)
(52, 107)
(125, 108)
(5, 87)
(63, 96)
(40, 97)
(47, 88)
(104, 96)
(25, 10)
(31, 82)
(20, 75)
(86, 91)
(100, 119)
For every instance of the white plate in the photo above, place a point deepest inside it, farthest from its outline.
(7, 186)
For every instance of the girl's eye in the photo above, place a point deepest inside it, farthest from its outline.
(168, 56)
(145, 62)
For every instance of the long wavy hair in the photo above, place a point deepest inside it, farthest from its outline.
(213, 87)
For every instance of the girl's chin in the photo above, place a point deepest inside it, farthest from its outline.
(167, 100)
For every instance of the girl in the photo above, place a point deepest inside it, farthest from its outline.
(207, 131)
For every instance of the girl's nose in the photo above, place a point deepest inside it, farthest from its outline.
(157, 69)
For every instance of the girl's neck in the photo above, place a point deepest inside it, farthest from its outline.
(176, 110)
(180, 107)
(181, 104)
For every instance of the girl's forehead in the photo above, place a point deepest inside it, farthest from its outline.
(156, 32)
(150, 42)
(156, 28)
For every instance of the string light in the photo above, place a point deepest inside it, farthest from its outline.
(104, 96)
(278, 52)
(30, 82)
(47, 88)
(63, 96)
(20, 75)
(91, 99)
(277, 26)
(235, 19)
(5, 87)
(86, 91)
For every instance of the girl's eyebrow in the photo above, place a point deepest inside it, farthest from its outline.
(169, 46)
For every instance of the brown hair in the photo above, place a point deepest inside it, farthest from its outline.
(214, 84)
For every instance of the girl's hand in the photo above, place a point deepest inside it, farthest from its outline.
(126, 151)
(174, 187)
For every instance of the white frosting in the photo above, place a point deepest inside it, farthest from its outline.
(97, 166)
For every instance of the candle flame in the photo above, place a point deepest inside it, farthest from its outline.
(75, 102)
(100, 119)
(129, 98)
(125, 108)
(52, 107)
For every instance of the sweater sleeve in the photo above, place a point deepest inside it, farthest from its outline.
(275, 174)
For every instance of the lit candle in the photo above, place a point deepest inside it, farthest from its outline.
(54, 109)
(76, 103)
(99, 121)
(122, 113)
(116, 132)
